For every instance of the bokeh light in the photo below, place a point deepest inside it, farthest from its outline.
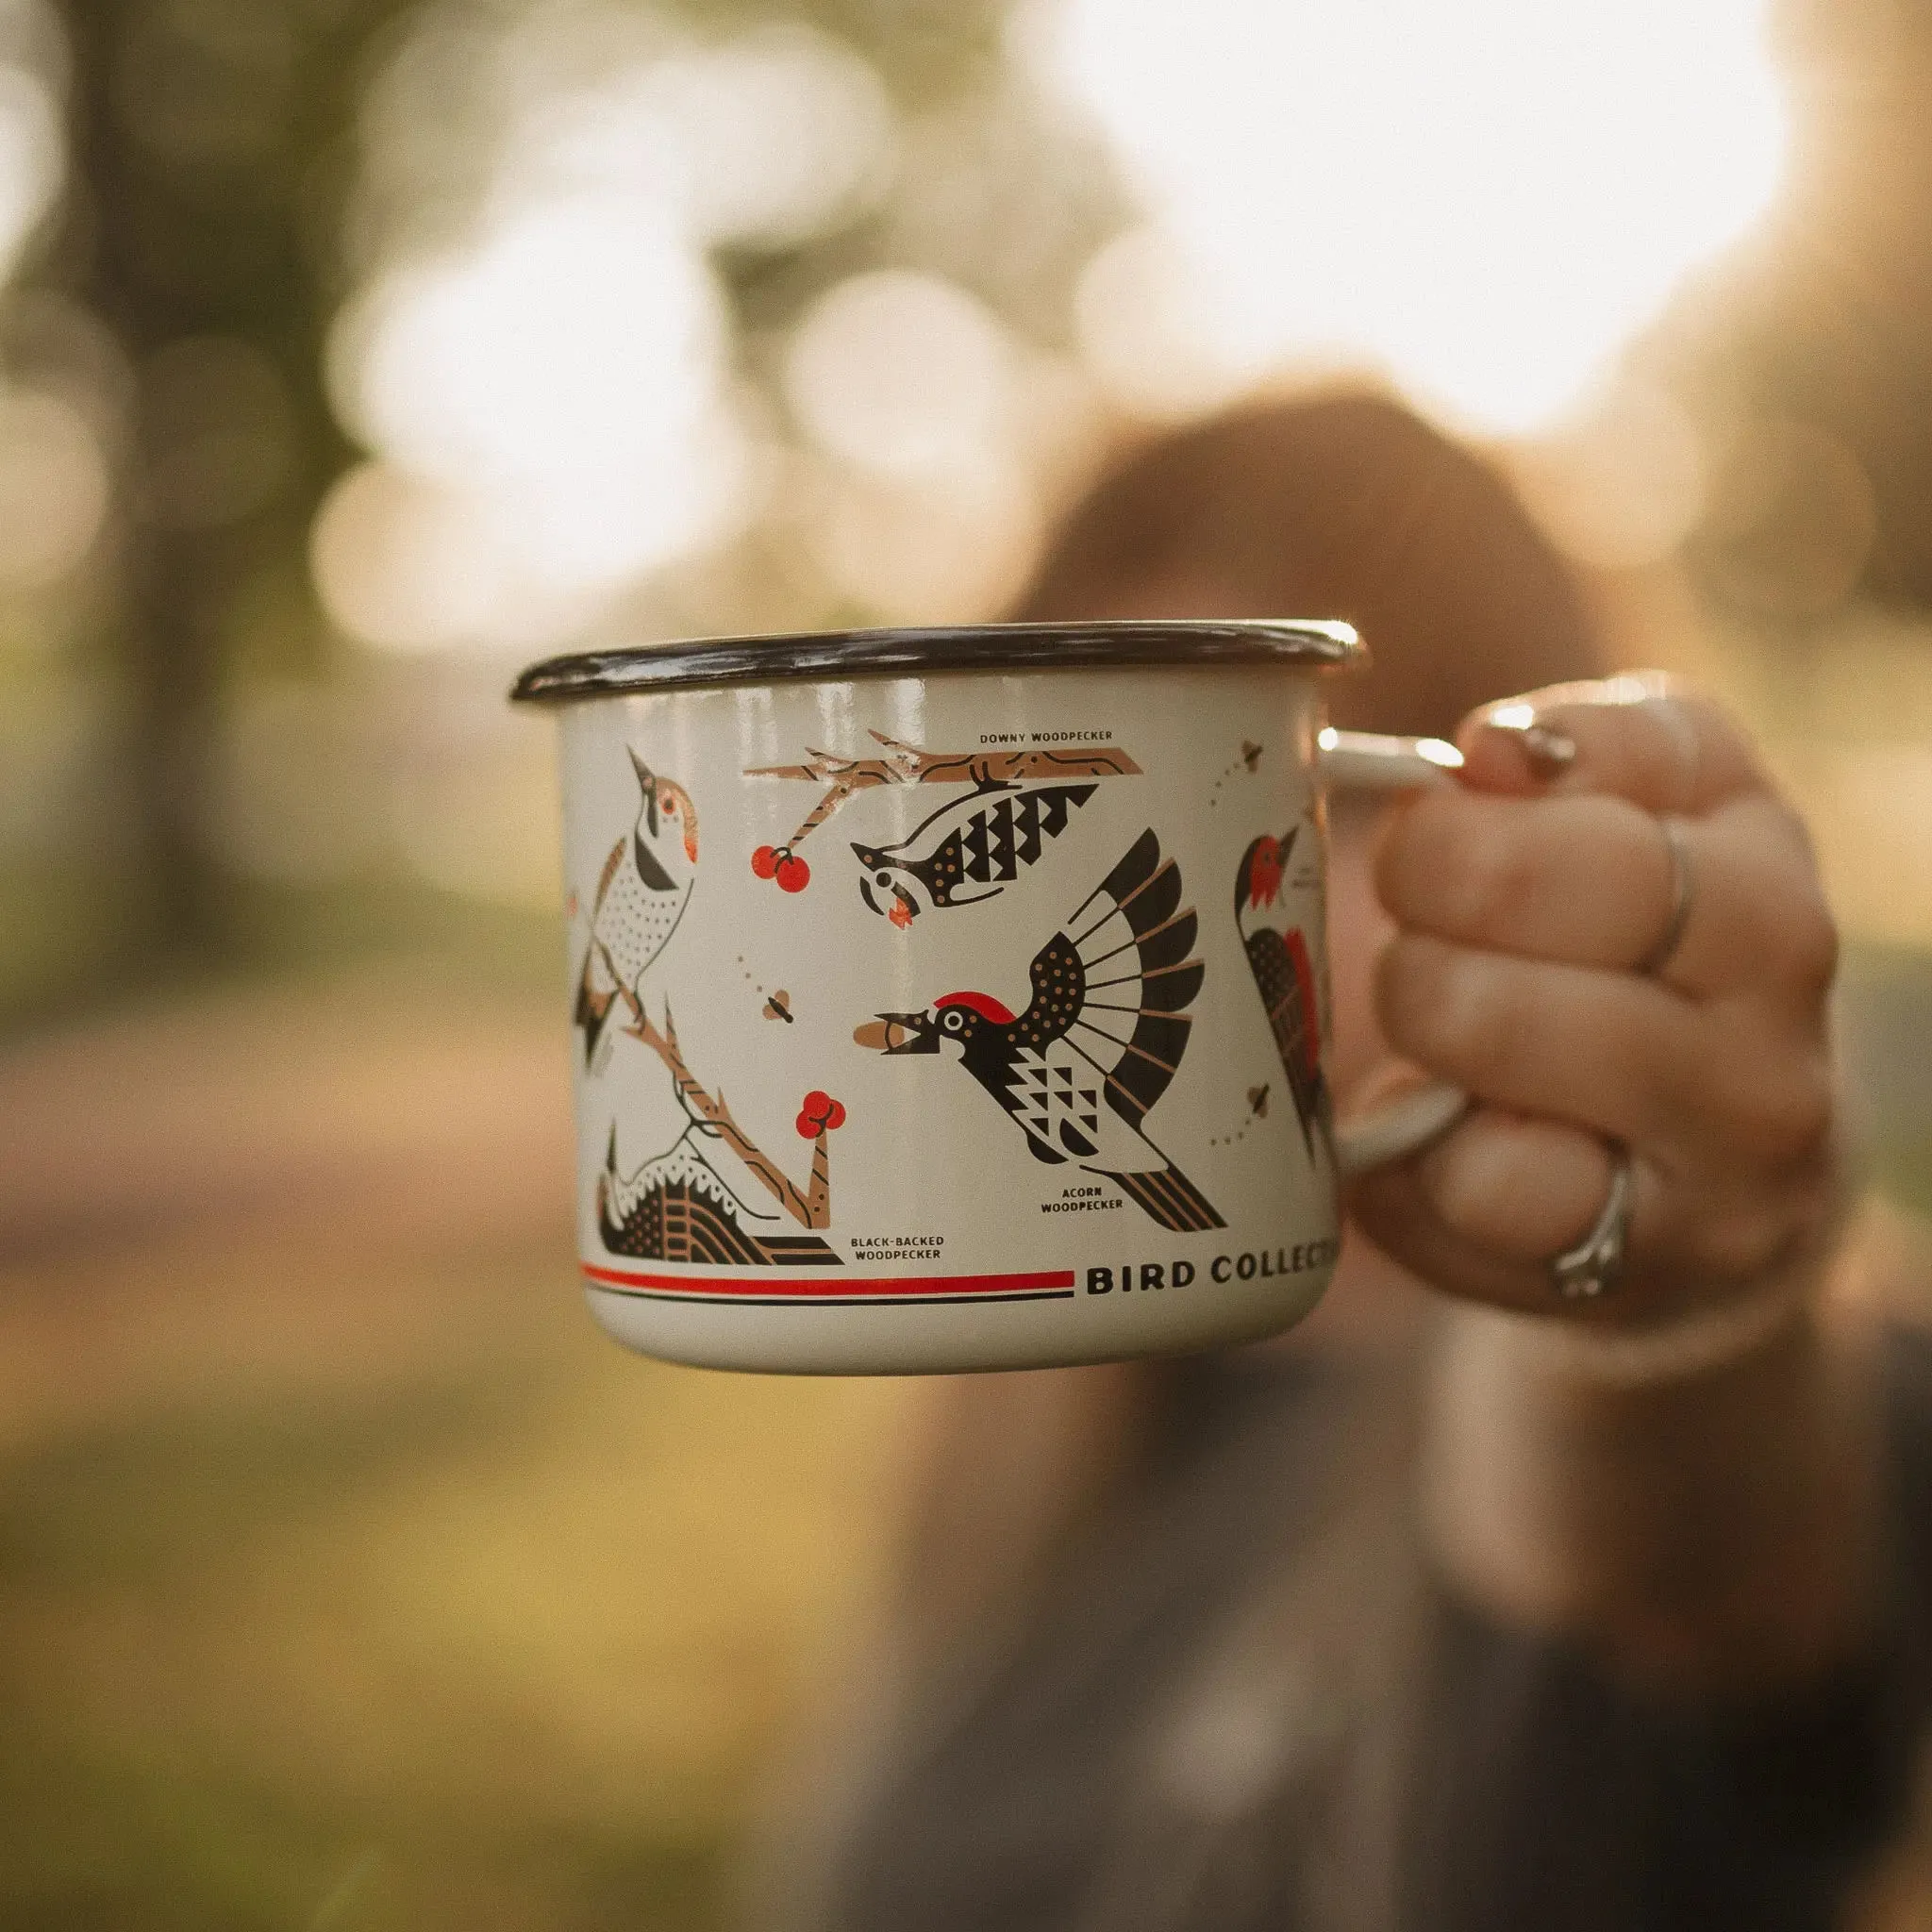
(1484, 201)
(570, 362)
(902, 375)
(1621, 481)
(765, 141)
(54, 487)
(546, 368)
(32, 156)
(408, 564)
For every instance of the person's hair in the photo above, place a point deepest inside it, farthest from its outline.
(1341, 506)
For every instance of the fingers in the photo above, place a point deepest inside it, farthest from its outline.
(1481, 1214)
(1521, 1189)
(1639, 737)
(1484, 1212)
(1603, 1050)
(1589, 880)
(1533, 902)
(1691, 1086)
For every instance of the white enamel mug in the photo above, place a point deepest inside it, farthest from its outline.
(959, 999)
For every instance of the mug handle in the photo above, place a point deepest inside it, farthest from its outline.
(1366, 762)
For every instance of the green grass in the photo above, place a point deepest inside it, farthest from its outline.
(148, 1556)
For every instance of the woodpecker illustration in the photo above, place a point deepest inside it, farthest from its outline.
(967, 851)
(1285, 976)
(642, 893)
(1080, 1069)
(680, 1208)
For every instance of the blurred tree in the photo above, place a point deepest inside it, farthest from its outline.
(210, 140)
(217, 154)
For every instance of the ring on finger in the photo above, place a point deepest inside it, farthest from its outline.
(1595, 1267)
(1683, 890)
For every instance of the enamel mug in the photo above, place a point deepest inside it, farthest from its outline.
(959, 999)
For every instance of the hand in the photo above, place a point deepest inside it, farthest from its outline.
(1529, 898)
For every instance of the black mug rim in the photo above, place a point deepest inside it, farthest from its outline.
(913, 650)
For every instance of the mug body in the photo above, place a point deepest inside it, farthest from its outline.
(939, 1013)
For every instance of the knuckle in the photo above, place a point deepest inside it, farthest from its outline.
(1435, 1005)
(1405, 858)
(1487, 883)
(1784, 1120)
(1809, 1201)
(1769, 852)
(1810, 942)
(1429, 867)
(1788, 822)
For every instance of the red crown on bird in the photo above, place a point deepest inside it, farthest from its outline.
(1265, 871)
(983, 1004)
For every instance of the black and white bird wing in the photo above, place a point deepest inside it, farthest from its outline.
(1105, 1031)
(597, 983)
(1285, 976)
(1118, 978)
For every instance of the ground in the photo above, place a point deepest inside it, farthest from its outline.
(348, 1576)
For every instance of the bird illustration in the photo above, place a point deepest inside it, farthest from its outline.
(680, 1208)
(1079, 1070)
(1285, 976)
(642, 893)
(976, 843)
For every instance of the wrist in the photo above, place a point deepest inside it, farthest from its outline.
(1697, 1501)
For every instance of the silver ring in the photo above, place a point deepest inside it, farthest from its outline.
(1595, 1267)
(1683, 890)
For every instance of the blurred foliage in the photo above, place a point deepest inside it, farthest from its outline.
(186, 287)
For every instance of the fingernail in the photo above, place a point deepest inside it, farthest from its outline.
(1548, 754)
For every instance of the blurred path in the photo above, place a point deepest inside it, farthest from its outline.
(347, 1575)
(283, 1191)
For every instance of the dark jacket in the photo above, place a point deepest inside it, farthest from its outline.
(1240, 1701)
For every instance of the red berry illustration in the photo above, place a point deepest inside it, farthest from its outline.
(764, 862)
(794, 874)
(817, 1110)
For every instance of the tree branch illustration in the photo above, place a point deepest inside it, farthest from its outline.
(813, 1209)
(907, 764)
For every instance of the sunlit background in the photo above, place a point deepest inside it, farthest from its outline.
(353, 353)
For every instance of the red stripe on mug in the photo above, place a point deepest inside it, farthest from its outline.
(766, 1286)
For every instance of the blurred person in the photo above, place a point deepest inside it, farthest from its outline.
(1460, 1605)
